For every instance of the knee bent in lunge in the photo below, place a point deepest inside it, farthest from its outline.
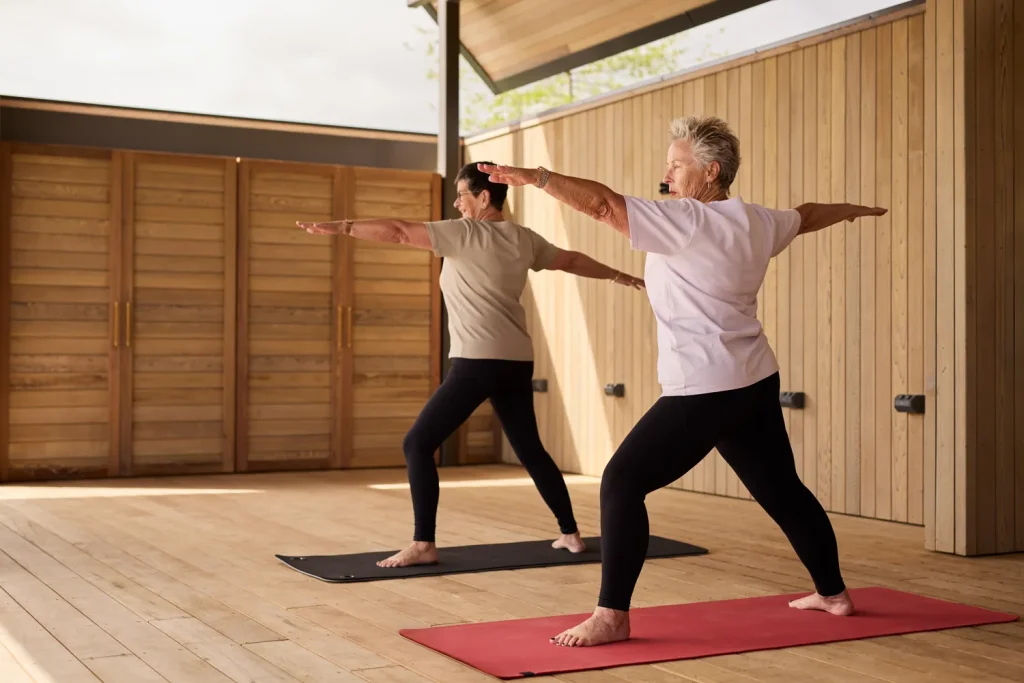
(414, 446)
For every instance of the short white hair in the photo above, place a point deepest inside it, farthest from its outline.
(712, 140)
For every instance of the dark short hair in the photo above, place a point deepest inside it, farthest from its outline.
(477, 181)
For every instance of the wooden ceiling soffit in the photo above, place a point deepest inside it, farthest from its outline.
(616, 26)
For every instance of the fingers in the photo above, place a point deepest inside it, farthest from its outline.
(314, 228)
(507, 175)
(635, 283)
(863, 211)
(497, 173)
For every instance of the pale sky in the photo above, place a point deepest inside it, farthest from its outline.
(353, 63)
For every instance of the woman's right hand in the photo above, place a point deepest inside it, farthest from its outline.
(323, 228)
(512, 176)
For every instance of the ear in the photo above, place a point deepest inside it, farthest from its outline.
(485, 197)
(714, 169)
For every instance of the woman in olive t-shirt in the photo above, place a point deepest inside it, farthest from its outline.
(486, 262)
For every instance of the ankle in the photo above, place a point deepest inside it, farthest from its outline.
(423, 545)
(611, 616)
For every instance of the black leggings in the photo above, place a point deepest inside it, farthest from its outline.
(509, 385)
(747, 427)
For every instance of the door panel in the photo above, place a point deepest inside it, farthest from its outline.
(166, 315)
(395, 317)
(62, 377)
(180, 273)
(291, 321)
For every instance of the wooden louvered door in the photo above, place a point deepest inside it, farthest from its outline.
(396, 316)
(166, 315)
(59, 374)
(294, 317)
(179, 314)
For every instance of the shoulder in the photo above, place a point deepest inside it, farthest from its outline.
(783, 217)
(448, 237)
(448, 224)
(675, 209)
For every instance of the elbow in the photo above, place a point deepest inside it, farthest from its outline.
(398, 234)
(572, 263)
(567, 262)
(601, 210)
(806, 219)
(610, 208)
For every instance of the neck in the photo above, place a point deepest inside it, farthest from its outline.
(712, 194)
(490, 214)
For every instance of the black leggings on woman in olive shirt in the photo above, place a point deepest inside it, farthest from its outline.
(509, 386)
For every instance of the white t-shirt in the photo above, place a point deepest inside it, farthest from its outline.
(705, 265)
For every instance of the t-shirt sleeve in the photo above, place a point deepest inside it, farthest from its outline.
(785, 225)
(543, 251)
(661, 227)
(448, 238)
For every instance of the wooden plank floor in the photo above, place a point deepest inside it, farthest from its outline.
(174, 579)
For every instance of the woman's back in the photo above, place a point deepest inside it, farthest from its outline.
(483, 277)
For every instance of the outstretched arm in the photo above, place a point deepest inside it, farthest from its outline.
(575, 263)
(814, 217)
(586, 196)
(387, 230)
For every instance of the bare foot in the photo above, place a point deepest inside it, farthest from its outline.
(417, 553)
(604, 626)
(840, 605)
(571, 542)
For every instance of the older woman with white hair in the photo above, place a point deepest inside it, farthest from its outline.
(707, 255)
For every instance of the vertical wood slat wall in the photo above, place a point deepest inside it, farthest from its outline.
(915, 112)
(839, 120)
(126, 277)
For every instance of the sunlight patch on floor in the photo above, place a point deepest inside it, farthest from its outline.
(489, 483)
(71, 492)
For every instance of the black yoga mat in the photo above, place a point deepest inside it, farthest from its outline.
(468, 558)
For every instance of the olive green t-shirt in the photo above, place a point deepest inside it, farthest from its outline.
(483, 276)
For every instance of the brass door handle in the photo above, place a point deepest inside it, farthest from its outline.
(128, 324)
(117, 326)
(348, 322)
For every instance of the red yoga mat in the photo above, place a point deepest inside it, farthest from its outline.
(520, 648)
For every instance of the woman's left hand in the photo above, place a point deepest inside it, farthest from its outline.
(510, 175)
(858, 211)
